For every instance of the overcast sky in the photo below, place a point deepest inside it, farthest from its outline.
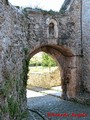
(44, 4)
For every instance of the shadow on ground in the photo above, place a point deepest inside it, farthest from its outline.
(43, 104)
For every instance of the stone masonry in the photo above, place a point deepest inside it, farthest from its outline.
(64, 35)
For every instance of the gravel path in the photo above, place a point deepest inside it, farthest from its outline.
(42, 104)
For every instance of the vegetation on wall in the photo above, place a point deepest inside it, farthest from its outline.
(13, 107)
(25, 67)
(9, 89)
(27, 10)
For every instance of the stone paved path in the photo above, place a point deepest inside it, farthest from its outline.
(54, 91)
(41, 104)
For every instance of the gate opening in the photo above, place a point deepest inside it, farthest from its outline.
(41, 98)
(44, 76)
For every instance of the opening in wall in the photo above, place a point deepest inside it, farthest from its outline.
(52, 29)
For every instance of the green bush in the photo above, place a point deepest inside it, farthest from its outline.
(47, 61)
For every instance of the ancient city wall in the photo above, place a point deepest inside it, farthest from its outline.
(12, 60)
(86, 44)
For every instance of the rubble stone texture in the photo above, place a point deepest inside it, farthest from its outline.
(64, 35)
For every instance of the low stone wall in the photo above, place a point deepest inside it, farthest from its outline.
(44, 80)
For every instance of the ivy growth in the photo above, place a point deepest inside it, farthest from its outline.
(23, 75)
(12, 107)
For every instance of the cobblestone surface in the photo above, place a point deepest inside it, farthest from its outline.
(42, 105)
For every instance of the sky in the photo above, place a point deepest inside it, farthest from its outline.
(44, 4)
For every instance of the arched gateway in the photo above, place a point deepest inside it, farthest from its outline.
(63, 57)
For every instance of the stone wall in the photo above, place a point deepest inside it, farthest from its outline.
(86, 44)
(69, 30)
(68, 41)
(12, 60)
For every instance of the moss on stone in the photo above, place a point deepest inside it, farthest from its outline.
(62, 11)
(4, 109)
(17, 7)
(12, 107)
(25, 68)
(24, 114)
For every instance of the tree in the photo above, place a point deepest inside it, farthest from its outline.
(47, 61)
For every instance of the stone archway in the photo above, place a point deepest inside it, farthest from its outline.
(64, 57)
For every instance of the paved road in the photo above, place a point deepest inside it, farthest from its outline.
(41, 104)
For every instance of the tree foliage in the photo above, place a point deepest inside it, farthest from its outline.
(47, 60)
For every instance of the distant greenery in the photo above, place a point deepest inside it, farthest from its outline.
(46, 61)
(35, 61)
